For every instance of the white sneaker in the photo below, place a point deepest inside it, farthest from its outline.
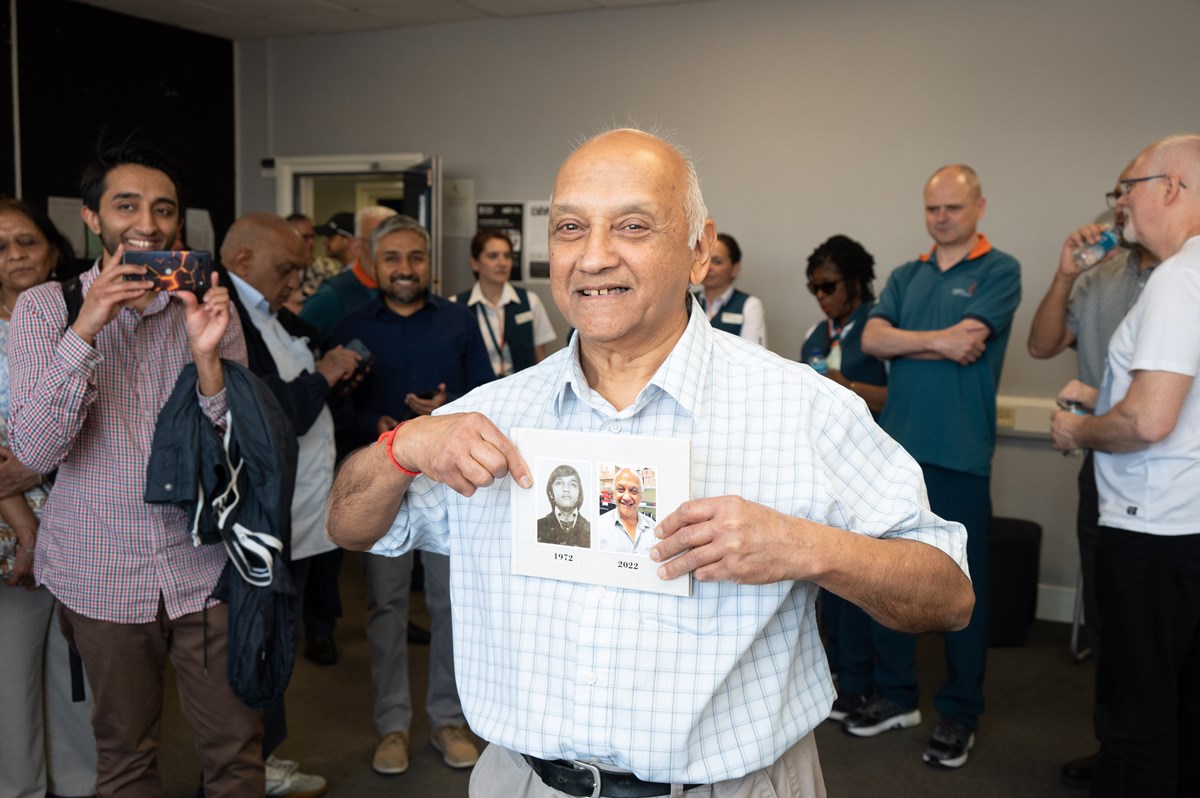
(284, 779)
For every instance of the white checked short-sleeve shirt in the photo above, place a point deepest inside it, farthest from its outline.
(692, 690)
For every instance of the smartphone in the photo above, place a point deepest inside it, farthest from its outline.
(364, 363)
(359, 348)
(174, 270)
(426, 394)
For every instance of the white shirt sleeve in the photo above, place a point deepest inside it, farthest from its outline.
(754, 321)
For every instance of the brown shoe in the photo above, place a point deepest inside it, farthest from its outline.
(456, 746)
(391, 755)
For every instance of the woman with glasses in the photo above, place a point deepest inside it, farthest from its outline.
(46, 742)
(727, 308)
(840, 273)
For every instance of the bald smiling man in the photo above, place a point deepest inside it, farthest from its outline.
(585, 690)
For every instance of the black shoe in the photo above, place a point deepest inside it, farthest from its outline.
(846, 705)
(321, 650)
(1078, 772)
(417, 636)
(881, 715)
(950, 745)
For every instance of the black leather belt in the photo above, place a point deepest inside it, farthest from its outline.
(582, 779)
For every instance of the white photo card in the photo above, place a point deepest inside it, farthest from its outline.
(595, 500)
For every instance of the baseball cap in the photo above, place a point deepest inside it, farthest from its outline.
(340, 224)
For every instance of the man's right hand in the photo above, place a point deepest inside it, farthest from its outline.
(964, 342)
(1088, 234)
(464, 451)
(1079, 392)
(109, 292)
(338, 364)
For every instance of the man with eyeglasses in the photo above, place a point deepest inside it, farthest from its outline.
(1082, 309)
(943, 321)
(1144, 431)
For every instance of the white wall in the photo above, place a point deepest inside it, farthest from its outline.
(806, 119)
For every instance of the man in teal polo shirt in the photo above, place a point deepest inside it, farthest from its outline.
(943, 321)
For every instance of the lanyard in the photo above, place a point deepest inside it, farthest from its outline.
(835, 335)
(497, 342)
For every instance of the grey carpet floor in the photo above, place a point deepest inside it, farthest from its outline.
(1039, 705)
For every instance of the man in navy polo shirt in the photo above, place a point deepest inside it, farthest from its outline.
(943, 321)
(427, 351)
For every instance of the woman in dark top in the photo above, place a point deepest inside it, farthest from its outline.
(840, 273)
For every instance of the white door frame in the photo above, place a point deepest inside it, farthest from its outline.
(287, 167)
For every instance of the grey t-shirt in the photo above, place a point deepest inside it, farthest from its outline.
(1099, 301)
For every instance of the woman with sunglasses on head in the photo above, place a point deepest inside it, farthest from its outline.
(46, 741)
(727, 308)
(840, 273)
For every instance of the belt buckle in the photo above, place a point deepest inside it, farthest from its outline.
(595, 771)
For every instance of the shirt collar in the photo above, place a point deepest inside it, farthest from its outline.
(251, 297)
(1133, 264)
(981, 248)
(681, 376)
(566, 520)
(724, 298)
(507, 295)
(363, 277)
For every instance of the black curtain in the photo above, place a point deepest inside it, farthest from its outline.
(89, 77)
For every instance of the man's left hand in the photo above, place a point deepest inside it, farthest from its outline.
(206, 321)
(425, 407)
(726, 538)
(15, 478)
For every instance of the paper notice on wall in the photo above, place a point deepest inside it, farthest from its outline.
(537, 241)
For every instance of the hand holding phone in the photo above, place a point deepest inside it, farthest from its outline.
(425, 402)
(366, 358)
(173, 270)
(333, 365)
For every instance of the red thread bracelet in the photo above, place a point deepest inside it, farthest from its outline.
(389, 438)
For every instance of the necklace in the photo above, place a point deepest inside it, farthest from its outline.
(7, 309)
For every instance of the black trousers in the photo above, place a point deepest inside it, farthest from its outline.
(1087, 529)
(1148, 681)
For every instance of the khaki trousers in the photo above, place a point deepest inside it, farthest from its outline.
(501, 773)
(125, 666)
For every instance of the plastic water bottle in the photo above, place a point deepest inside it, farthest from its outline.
(1089, 255)
(819, 364)
(1077, 409)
